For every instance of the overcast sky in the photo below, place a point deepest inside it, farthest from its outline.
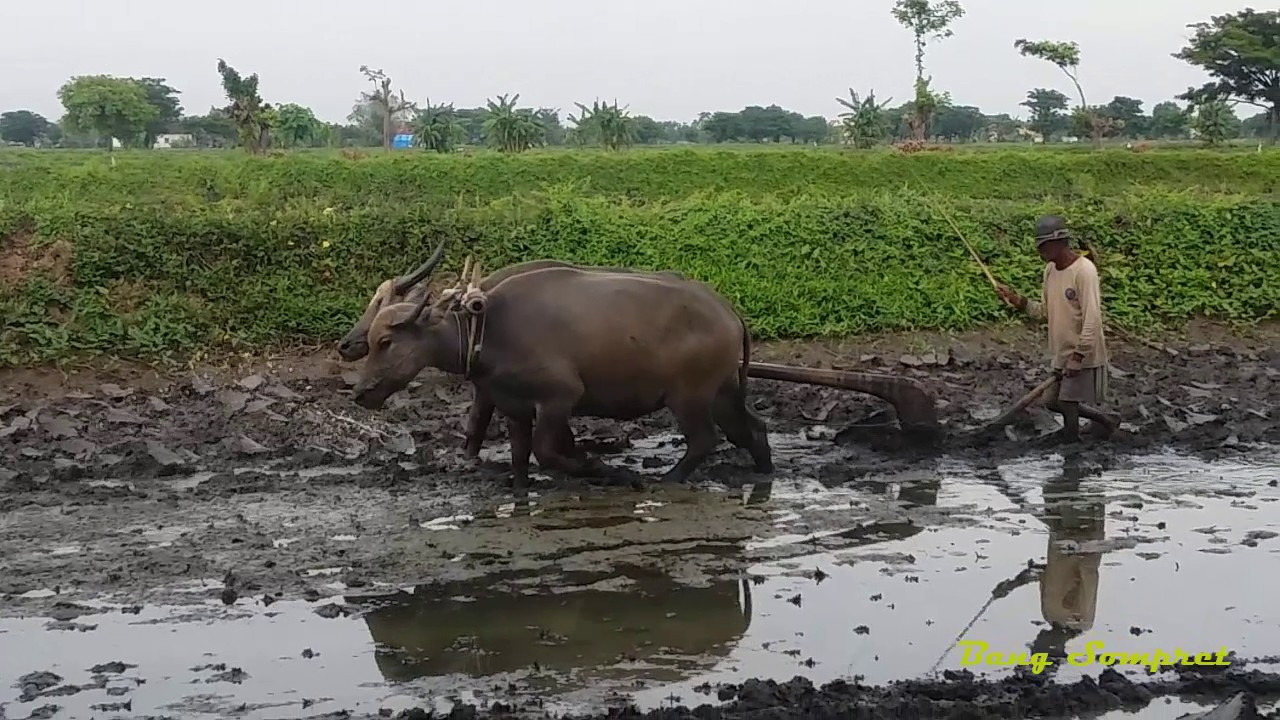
(669, 59)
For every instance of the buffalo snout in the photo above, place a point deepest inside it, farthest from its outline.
(368, 397)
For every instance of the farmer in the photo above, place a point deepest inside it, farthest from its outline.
(1071, 302)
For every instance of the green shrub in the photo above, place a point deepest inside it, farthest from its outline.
(156, 277)
(445, 180)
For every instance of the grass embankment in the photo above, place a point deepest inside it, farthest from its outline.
(171, 252)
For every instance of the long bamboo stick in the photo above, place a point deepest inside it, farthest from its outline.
(1108, 327)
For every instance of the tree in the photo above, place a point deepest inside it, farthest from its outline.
(649, 131)
(1002, 127)
(1241, 52)
(297, 125)
(512, 129)
(436, 128)
(864, 125)
(168, 108)
(365, 128)
(252, 116)
(607, 125)
(959, 123)
(723, 126)
(554, 131)
(926, 20)
(1128, 113)
(1215, 122)
(1168, 120)
(1255, 126)
(1046, 108)
(392, 109)
(23, 126)
(1095, 122)
(215, 129)
(1066, 55)
(111, 107)
(812, 130)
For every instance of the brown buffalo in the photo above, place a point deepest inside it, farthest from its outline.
(549, 344)
(411, 287)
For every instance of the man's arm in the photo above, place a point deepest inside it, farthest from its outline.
(1089, 292)
(1036, 308)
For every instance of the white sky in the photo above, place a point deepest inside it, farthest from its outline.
(668, 59)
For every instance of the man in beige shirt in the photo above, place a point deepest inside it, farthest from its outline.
(1071, 302)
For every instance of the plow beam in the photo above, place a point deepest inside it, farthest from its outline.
(913, 404)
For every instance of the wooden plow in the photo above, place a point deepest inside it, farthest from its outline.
(912, 403)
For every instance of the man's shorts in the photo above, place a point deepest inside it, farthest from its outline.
(1088, 386)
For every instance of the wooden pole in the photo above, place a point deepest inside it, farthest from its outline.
(985, 270)
(1022, 404)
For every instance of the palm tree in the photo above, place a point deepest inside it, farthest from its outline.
(864, 126)
(437, 128)
(608, 125)
(512, 129)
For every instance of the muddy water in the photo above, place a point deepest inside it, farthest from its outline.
(875, 579)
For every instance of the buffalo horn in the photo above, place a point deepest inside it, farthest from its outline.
(466, 270)
(405, 282)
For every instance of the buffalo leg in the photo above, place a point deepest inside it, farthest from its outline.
(521, 432)
(697, 422)
(744, 429)
(478, 419)
(481, 414)
(568, 447)
(549, 431)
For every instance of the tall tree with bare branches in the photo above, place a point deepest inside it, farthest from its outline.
(390, 106)
(927, 21)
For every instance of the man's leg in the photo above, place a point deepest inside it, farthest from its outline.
(1068, 409)
(1089, 385)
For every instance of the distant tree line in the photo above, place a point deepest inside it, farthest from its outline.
(1237, 50)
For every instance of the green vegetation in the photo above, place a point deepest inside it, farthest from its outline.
(177, 252)
(434, 179)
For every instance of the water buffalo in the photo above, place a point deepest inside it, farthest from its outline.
(411, 288)
(557, 342)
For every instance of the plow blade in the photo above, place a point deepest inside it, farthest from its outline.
(913, 404)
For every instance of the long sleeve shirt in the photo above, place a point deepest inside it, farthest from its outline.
(1071, 302)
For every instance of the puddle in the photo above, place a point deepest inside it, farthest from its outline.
(873, 579)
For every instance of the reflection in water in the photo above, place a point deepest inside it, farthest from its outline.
(451, 628)
(1069, 584)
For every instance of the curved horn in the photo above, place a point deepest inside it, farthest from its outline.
(404, 282)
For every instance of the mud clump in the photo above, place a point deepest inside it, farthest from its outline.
(1222, 399)
(957, 696)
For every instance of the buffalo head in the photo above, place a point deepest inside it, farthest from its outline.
(403, 339)
(406, 288)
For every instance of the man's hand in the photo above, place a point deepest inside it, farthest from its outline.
(1073, 365)
(1011, 298)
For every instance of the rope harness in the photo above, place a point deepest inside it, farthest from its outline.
(470, 338)
(468, 304)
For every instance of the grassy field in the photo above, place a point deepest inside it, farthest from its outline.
(167, 252)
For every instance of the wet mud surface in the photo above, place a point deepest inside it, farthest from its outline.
(248, 542)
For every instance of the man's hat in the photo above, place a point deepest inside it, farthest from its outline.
(1051, 227)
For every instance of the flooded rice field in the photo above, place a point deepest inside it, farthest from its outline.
(248, 545)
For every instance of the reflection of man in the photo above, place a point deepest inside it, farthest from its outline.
(1069, 585)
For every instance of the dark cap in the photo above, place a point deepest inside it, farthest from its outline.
(1051, 227)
